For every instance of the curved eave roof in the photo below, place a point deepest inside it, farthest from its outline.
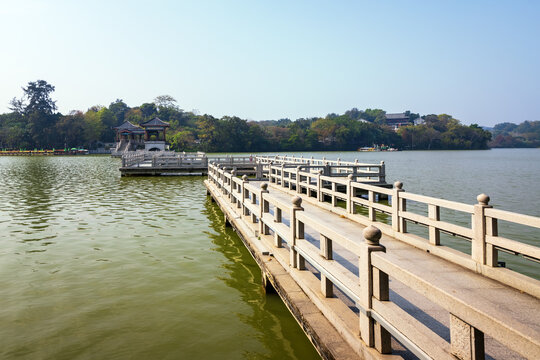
(127, 126)
(155, 122)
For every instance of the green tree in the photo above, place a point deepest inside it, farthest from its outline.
(71, 129)
(119, 108)
(149, 110)
(93, 128)
(38, 110)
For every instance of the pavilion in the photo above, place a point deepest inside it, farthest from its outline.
(149, 135)
(154, 134)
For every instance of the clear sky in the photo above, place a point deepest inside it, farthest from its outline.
(476, 60)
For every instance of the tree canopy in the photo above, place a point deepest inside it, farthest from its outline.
(34, 122)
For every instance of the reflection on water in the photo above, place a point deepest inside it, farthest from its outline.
(93, 265)
(264, 314)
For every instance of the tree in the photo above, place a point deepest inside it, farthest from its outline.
(70, 129)
(149, 110)
(38, 110)
(183, 140)
(93, 127)
(165, 101)
(36, 98)
(119, 108)
(377, 116)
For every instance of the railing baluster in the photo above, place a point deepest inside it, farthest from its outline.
(434, 213)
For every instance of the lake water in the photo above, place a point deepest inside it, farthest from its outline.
(95, 266)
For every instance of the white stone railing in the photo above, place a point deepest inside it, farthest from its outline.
(163, 159)
(365, 204)
(379, 317)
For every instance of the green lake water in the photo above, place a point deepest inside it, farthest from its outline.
(95, 266)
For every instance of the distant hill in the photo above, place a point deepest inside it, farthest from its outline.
(510, 135)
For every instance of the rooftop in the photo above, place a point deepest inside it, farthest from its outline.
(155, 122)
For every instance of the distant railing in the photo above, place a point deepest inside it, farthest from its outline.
(482, 233)
(366, 204)
(163, 159)
(369, 289)
(230, 161)
(369, 172)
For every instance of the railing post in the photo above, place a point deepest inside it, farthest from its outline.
(294, 230)
(254, 202)
(277, 219)
(224, 181)
(466, 342)
(327, 169)
(245, 195)
(233, 185)
(259, 170)
(369, 330)
(282, 175)
(319, 186)
(382, 172)
(231, 182)
(371, 209)
(396, 201)
(350, 194)
(327, 287)
(265, 208)
(478, 250)
(298, 190)
(271, 172)
(492, 255)
(434, 213)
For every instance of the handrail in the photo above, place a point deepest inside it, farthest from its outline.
(369, 288)
(346, 197)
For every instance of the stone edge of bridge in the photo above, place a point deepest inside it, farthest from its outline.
(319, 330)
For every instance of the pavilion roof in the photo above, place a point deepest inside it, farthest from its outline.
(127, 126)
(397, 116)
(155, 122)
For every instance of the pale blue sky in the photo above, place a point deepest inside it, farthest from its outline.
(476, 60)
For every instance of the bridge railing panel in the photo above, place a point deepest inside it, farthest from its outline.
(378, 316)
(474, 223)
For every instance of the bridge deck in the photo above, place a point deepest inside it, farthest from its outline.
(424, 286)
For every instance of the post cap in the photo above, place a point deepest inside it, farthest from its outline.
(350, 177)
(372, 235)
(298, 167)
(398, 185)
(320, 171)
(483, 199)
(225, 168)
(264, 186)
(244, 178)
(297, 201)
(233, 171)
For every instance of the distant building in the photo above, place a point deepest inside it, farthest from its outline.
(154, 134)
(149, 135)
(129, 137)
(395, 121)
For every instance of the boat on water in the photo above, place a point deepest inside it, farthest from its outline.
(377, 148)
